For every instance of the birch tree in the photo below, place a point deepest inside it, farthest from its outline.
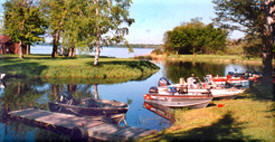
(111, 19)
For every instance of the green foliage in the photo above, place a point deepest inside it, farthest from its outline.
(243, 15)
(79, 22)
(195, 37)
(23, 21)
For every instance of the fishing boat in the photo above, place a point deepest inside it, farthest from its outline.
(87, 106)
(198, 88)
(226, 93)
(176, 99)
(90, 106)
(238, 81)
(69, 109)
(160, 110)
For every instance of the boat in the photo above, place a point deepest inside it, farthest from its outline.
(90, 106)
(87, 106)
(67, 109)
(179, 100)
(198, 88)
(160, 110)
(226, 93)
(232, 80)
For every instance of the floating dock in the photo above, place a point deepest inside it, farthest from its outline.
(95, 128)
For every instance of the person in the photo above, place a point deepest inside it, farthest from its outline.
(191, 81)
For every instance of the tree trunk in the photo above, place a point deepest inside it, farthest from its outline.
(269, 40)
(73, 52)
(97, 47)
(21, 56)
(96, 91)
(55, 44)
(27, 49)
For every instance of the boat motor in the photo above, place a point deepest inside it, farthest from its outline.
(153, 89)
(163, 82)
(66, 98)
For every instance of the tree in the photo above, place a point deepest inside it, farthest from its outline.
(195, 37)
(23, 22)
(56, 12)
(253, 17)
(111, 19)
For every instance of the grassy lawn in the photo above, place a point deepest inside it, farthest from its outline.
(247, 118)
(76, 69)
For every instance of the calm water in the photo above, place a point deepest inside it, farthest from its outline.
(27, 92)
(117, 52)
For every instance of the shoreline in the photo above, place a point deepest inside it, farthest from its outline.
(79, 69)
(214, 59)
(249, 117)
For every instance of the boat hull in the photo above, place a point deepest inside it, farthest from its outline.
(86, 111)
(196, 101)
(226, 93)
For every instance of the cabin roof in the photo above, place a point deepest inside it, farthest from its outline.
(4, 39)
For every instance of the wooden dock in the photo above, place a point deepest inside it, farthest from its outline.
(96, 128)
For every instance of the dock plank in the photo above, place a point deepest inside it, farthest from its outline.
(96, 127)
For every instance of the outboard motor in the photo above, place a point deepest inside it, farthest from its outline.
(153, 89)
(163, 82)
(66, 98)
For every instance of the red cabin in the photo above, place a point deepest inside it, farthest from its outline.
(9, 47)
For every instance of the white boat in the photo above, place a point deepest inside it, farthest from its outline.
(200, 89)
(226, 93)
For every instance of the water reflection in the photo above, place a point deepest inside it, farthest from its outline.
(160, 110)
(175, 70)
(34, 92)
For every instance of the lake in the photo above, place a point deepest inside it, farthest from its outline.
(117, 52)
(22, 93)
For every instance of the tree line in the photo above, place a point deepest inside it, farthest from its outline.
(71, 23)
(195, 37)
(255, 18)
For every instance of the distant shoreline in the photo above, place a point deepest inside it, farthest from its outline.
(114, 46)
(215, 59)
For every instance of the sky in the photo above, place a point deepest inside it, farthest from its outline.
(155, 17)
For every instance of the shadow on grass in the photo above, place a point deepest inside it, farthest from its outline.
(23, 69)
(140, 65)
(225, 129)
(260, 92)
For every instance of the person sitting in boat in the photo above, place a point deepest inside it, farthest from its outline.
(66, 98)
(192, 82)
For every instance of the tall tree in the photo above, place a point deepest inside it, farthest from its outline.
(56, 12)
(253, 17)
(111, 19)
(22, 22)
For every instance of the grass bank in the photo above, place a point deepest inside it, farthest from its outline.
(77, 69)
(207, 58)
(248, 118)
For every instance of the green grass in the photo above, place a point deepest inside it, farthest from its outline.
(248, 118)
(77, 69)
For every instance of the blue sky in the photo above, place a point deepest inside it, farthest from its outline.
(154, 17)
